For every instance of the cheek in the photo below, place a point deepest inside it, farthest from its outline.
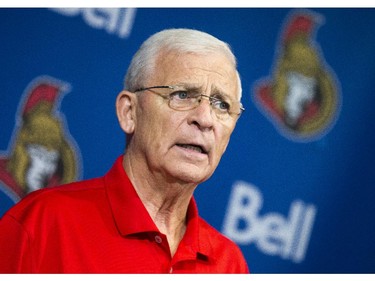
(155, 129)
(222, 143)
(149, 134)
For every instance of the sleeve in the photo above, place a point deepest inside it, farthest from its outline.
(15, 254)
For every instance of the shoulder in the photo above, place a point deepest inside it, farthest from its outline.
(216, 239)
(59, 198)
(228, 255)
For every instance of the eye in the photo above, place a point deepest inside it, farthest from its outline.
(221, 105)
(180, 95)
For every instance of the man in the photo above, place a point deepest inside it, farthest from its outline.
(180, 106)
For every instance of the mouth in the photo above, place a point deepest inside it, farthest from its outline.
(193, 147)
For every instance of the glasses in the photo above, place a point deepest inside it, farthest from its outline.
(182, 99)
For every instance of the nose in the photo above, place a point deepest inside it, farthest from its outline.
(202, 116)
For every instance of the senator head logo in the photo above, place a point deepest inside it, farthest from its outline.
(42, 152)
(301, 97)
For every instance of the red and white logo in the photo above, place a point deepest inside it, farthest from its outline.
(301, 97)
(42, 152)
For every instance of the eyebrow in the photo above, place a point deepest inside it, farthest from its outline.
(216, 92)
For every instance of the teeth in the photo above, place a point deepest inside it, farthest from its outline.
(192, 147)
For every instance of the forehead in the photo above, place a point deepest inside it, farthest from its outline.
(209, 73)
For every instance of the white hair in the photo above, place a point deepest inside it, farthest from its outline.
(180, 40)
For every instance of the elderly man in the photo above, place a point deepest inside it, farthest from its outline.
(180, 106)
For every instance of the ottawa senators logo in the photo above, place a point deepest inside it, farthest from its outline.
(42, 152)
(301, 98)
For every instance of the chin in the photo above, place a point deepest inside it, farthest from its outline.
(191, 176)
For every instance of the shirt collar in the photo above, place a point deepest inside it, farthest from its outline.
(129, 213)
(131, 216)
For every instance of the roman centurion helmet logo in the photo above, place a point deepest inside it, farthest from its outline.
(42, 152)
(301, 98)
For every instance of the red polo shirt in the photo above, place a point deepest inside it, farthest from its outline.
(101, 226)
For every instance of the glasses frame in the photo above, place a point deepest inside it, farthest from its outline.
(211, 99)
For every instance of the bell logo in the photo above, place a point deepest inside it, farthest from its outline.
(272, 233)
(117, 21)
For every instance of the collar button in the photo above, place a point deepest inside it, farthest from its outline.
(158, 239)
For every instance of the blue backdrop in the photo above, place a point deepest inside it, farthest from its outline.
(296, 187)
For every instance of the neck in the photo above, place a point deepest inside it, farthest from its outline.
(166, 201)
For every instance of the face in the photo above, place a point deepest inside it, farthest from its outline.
(301, 92)
(43, 164)
(184, 145)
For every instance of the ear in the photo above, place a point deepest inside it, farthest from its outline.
(125, 109)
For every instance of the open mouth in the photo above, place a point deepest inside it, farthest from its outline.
(193, 147)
